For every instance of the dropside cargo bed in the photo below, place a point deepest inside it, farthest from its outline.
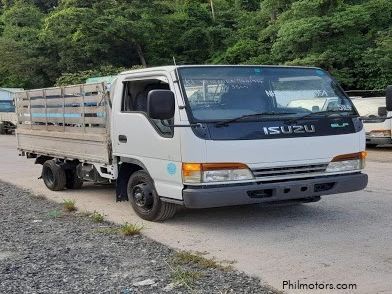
(69, 122)
(84, 147)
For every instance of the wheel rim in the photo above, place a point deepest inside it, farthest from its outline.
(48, 176)
(143, 197)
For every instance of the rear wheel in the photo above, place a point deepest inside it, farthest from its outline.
(2, 129)
(145, 200)
(72, 179)
(53, 175)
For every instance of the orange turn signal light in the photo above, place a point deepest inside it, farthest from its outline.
(350, 156)
(189, 168)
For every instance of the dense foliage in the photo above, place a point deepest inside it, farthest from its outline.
(47, 41)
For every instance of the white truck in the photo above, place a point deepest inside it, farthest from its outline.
(376, 117)
(8, 121)
(8, 118)
(197, 136)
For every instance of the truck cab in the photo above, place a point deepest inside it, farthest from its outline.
(209, 136)
(8, 117)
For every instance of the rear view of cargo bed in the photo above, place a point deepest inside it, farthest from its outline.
(69, 122)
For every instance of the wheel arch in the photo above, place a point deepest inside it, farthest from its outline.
(41, 159)
(127, 167)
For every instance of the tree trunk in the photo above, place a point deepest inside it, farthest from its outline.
(212, 10)
(140, 54)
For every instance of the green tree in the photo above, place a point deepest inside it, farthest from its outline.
(42, 40)
(81, 76)
(348, 38)
(23, 62)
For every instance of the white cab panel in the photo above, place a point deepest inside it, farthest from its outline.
(161, 156)
(275, 152)
(193, 149)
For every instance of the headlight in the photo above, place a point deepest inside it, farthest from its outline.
(347, 162)
(215, 172)
(380, 133)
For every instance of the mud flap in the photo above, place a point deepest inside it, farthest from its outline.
(122, 183)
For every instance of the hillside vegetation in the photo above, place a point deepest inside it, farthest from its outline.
(47, 41)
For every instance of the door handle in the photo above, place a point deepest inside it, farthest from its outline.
(122, 138)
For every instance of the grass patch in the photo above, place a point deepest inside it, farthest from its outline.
(185, 277)
(128, 229)
(97, 217)
(54, 213)
(187, 257)
(69, 205)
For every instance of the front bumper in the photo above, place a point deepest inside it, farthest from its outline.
(378, 140)
(239, 194)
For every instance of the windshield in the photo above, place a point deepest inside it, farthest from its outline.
(220, 93)
(6, 106)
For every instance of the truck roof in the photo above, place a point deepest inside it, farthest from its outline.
(170, 68)
(11, 90)
(6, 94)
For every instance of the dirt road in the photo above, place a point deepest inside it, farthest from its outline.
(341, 239)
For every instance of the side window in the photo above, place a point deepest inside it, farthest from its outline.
(135, 100)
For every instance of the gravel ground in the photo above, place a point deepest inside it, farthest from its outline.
(46, 250)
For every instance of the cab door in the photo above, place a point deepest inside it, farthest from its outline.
(139, 139)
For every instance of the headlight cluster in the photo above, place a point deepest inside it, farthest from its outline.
(347, 162)
(380, 133)
(215, 172)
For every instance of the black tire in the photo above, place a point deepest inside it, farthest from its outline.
(371, 145)
(53, 175)
(148, 205)
(72, 179)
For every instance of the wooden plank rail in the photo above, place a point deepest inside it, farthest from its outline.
(58, 101)
(68, 129)
(53, 110)
(69, 120)
(63, 108)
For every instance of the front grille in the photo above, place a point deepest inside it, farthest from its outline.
(289, 171)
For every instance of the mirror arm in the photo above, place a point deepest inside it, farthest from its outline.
(195, 125)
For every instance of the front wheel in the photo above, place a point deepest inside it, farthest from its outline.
(145, 200)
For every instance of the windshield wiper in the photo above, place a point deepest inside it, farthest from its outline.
(324, 112)
(228, 121)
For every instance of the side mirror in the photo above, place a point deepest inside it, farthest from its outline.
(382, 111)
(315, 108)
(388, 96)
(160, 104)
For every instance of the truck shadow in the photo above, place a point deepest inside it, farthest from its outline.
(386, 148)
(330, 211)
(93, 187)
(264, 217)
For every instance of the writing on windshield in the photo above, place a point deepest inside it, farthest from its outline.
(216, 93)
